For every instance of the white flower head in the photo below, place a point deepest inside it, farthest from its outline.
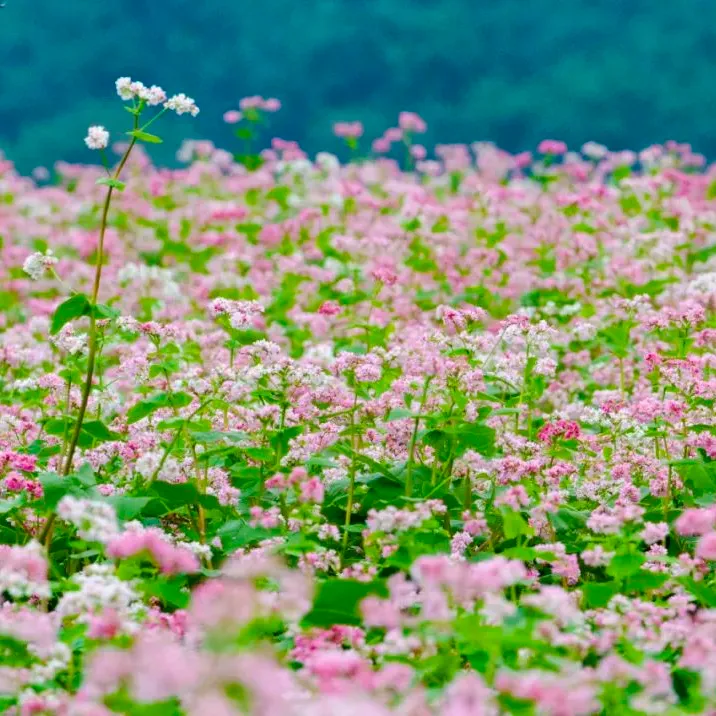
(181, 104)
(36, 264)
(97, 137)
(124, 88)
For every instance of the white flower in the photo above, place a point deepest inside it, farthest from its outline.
(95, 521)
(154, 95)
(182, 104)
(124, 88)
(99, 589)
(67, 340)
(36, 264)
(97, 137)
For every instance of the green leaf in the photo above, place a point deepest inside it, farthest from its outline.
(698, 475)
(525, 554)
(145, 136)
(569, 520)
(212, 436)
(598, 594)
(111, 182)
(624, 565)
(85, 475)
(514, 525)
(643, 581)
(74, 307)
(480, 438)
(161, 400)
(103, 311)
(128, 507)
(140, 410)
(237, 533)
(58, 426)
(171, 590)
(704, 593)
(617, 338)
(99, 431)
(338, 602)
(441, 441)
(399, 414)
(176, 495)
(11, 504)
(55, 488)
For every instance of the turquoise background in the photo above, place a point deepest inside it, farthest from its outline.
(624, 72)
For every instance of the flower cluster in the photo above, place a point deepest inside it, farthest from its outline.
(402, 436)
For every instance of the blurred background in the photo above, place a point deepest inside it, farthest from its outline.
(626, 73)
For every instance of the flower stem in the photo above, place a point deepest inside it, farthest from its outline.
(91, 357)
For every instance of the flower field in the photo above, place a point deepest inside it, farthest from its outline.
(411, 436)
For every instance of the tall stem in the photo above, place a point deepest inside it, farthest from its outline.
(46, 535)
(414, 439)
(91, 357)
(351, 483)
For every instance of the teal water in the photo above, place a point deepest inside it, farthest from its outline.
(627, 73)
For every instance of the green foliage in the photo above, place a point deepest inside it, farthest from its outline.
(338, 602)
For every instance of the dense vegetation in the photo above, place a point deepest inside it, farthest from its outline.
(626, 74)
(282, 437)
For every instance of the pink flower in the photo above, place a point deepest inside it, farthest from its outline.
(105, 625)
(695, 521)
(706, 548)
(385, 275)
(655, 532)
(312, 491)
(169, 558)
(329, 308)
(418, 151)
(272, 104)
(411, 122)
(232, 116)
(348, 130)
(551, 146)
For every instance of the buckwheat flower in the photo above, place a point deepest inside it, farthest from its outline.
(36, 264)
(153, 95)
(124, 88)
(468, 694)
(329, 308)
(181, 104)
(233, 116)
(384, 274)
(348, 130)
(596, 556)
(594, 150)
(67, 340)
(495, 609)
(411, 122)
(706, 548)
(654, 532)
(23, 570)
(695, 521)
(40, 174)
(312, 491)
(95, 521)
(552, 146)
(97, 137)
(459, 544)
(253, 102)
